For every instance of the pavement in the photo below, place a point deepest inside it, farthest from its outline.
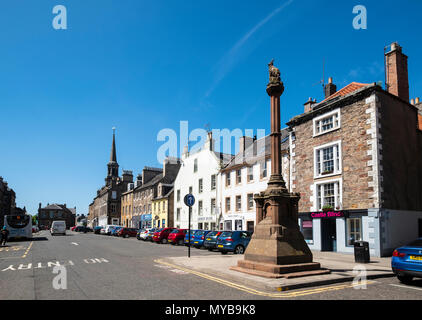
(342, 266)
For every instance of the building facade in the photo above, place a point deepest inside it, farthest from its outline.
(198, 176)
(56, 212)
(356, 162)
(106, 206)
(247, 174)
(162, 207)
(143, 195)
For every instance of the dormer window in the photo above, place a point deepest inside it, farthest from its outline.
(327, 122)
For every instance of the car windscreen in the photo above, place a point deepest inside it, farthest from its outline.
(175, 231)
(416, 243)
(226, 234)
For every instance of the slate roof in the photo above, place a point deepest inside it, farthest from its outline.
(257, 151)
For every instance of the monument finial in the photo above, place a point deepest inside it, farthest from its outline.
(275, 86)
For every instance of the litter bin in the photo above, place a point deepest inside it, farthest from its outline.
(361, 251)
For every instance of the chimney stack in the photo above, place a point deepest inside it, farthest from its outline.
(245, 142)
(209, 144)
(308, 104)
(396, 77)
(330, 88)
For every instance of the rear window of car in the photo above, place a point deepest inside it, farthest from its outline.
(175, 231)
(200, 233)
(416, 243)
(212, 233)
(226, 234)
(159, 230)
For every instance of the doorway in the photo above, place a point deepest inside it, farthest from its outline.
(328, 235)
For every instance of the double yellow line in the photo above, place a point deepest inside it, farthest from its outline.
(266, 294)
(27, 250)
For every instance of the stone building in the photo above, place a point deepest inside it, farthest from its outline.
(245, 175)
(144, 194)
(106, 206)
(56, 212)
(356, 161)
(7, 200)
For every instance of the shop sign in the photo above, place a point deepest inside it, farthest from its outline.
(329, 214)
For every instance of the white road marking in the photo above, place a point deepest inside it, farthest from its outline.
(406, 287)
(75, 243)
(179, 271)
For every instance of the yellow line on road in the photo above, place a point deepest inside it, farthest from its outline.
(267, 294)
(27, 250)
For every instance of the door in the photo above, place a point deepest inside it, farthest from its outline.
(238, 225)
(328, 235)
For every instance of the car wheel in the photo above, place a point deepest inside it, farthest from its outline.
(180, 243)
(239, 250)
(126, 236)
(223, 252)
(405, 279)
(164, 241)
(209, 249)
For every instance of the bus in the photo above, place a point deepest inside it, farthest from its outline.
(19, 226)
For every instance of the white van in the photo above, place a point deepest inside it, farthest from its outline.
(58, 227)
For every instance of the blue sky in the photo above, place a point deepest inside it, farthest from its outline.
(146, 65)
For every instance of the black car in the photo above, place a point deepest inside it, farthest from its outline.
(210, 241)
(83, 229)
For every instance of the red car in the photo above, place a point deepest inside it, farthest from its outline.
(161, 235)
(73, 228)
(127, 232)
(177, 236)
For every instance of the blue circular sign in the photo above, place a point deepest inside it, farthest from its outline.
(189, 200)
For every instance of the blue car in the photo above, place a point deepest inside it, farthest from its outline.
(407, 261)
(115, 230)
(192, 234)
(199, 238)
(233, 241)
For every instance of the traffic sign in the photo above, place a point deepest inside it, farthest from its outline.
(189, 200)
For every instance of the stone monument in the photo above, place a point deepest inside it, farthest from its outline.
(277, 248)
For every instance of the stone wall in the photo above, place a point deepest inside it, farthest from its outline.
(355, 136)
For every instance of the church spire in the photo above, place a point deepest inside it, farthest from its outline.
(112, 166)
(113, 157)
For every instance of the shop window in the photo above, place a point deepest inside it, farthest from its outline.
(307, 230)
(200, 226)
(354, 230)
(228, 225)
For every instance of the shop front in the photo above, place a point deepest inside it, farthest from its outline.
(146, 221)
(334, 231)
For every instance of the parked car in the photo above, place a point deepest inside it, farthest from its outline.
(199, 237)
(35, 229)
(115, 231)
(141, 231)
(73, 228)
(97, 229)
(233, 241)
(83, 229)
(161, 235)
(150, 234)
(127, 232)
(177, 236)
(107, 229)
(192, 234)
(210, 241)
(407, 261)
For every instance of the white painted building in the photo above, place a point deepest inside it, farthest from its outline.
(246, 175)
(198, 175)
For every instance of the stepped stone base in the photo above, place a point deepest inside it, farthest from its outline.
(279, 271)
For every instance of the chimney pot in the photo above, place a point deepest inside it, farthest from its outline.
(308, 104)
(417, 100)
(412, 101)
